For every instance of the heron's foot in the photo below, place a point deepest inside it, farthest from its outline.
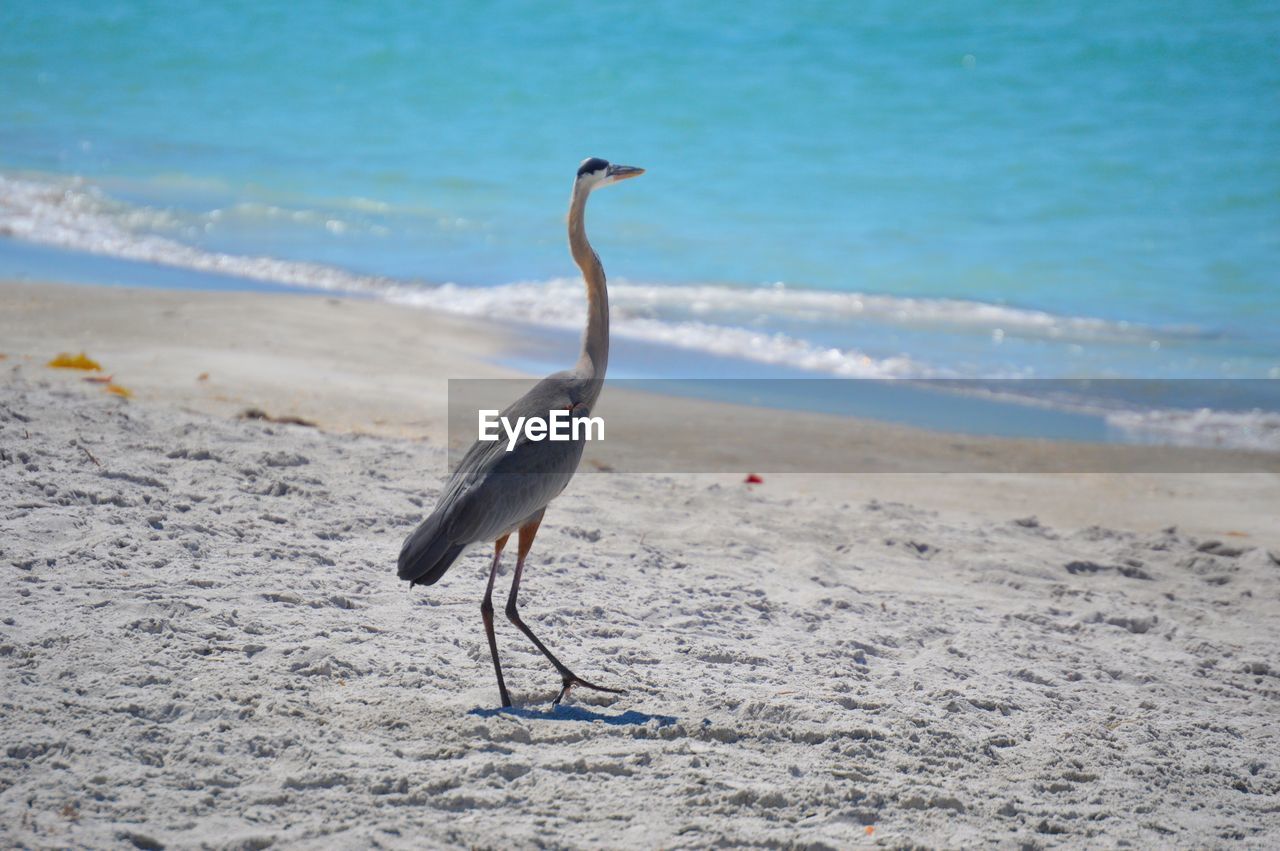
(570, 679)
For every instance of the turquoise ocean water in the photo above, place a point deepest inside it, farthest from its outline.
(860, 189)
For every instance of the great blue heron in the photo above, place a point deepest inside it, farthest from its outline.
(495, 491)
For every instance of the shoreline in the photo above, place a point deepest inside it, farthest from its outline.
(370, 367)
(678, 333)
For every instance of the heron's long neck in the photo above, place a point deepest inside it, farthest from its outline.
(594, 359)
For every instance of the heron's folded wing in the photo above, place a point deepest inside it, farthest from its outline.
(516, 486)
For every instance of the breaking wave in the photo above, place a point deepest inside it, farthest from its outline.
(1256, 429)
(74, 215)
(717, 319)
(712, 319)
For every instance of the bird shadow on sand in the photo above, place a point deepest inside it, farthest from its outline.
(576, 713)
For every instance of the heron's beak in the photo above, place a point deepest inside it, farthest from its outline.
(623, 172)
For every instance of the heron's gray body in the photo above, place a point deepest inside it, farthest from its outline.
(498, 489)
(493, 491)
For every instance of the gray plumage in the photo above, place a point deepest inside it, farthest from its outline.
(495, 491)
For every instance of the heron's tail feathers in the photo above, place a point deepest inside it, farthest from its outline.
(427, 553)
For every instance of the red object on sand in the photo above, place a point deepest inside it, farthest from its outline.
(753, 479)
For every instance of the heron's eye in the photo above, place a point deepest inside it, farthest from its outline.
(591, 165)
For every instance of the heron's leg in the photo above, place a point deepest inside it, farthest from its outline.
(486, 612)
(567, 677)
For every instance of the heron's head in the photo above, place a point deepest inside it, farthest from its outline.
(595, 172)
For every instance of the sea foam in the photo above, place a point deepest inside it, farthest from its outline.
(718, 319)
(714, 319)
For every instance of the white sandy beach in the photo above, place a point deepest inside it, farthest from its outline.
(204, 643)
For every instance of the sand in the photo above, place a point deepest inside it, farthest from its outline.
(203, 642)
(375, 368)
